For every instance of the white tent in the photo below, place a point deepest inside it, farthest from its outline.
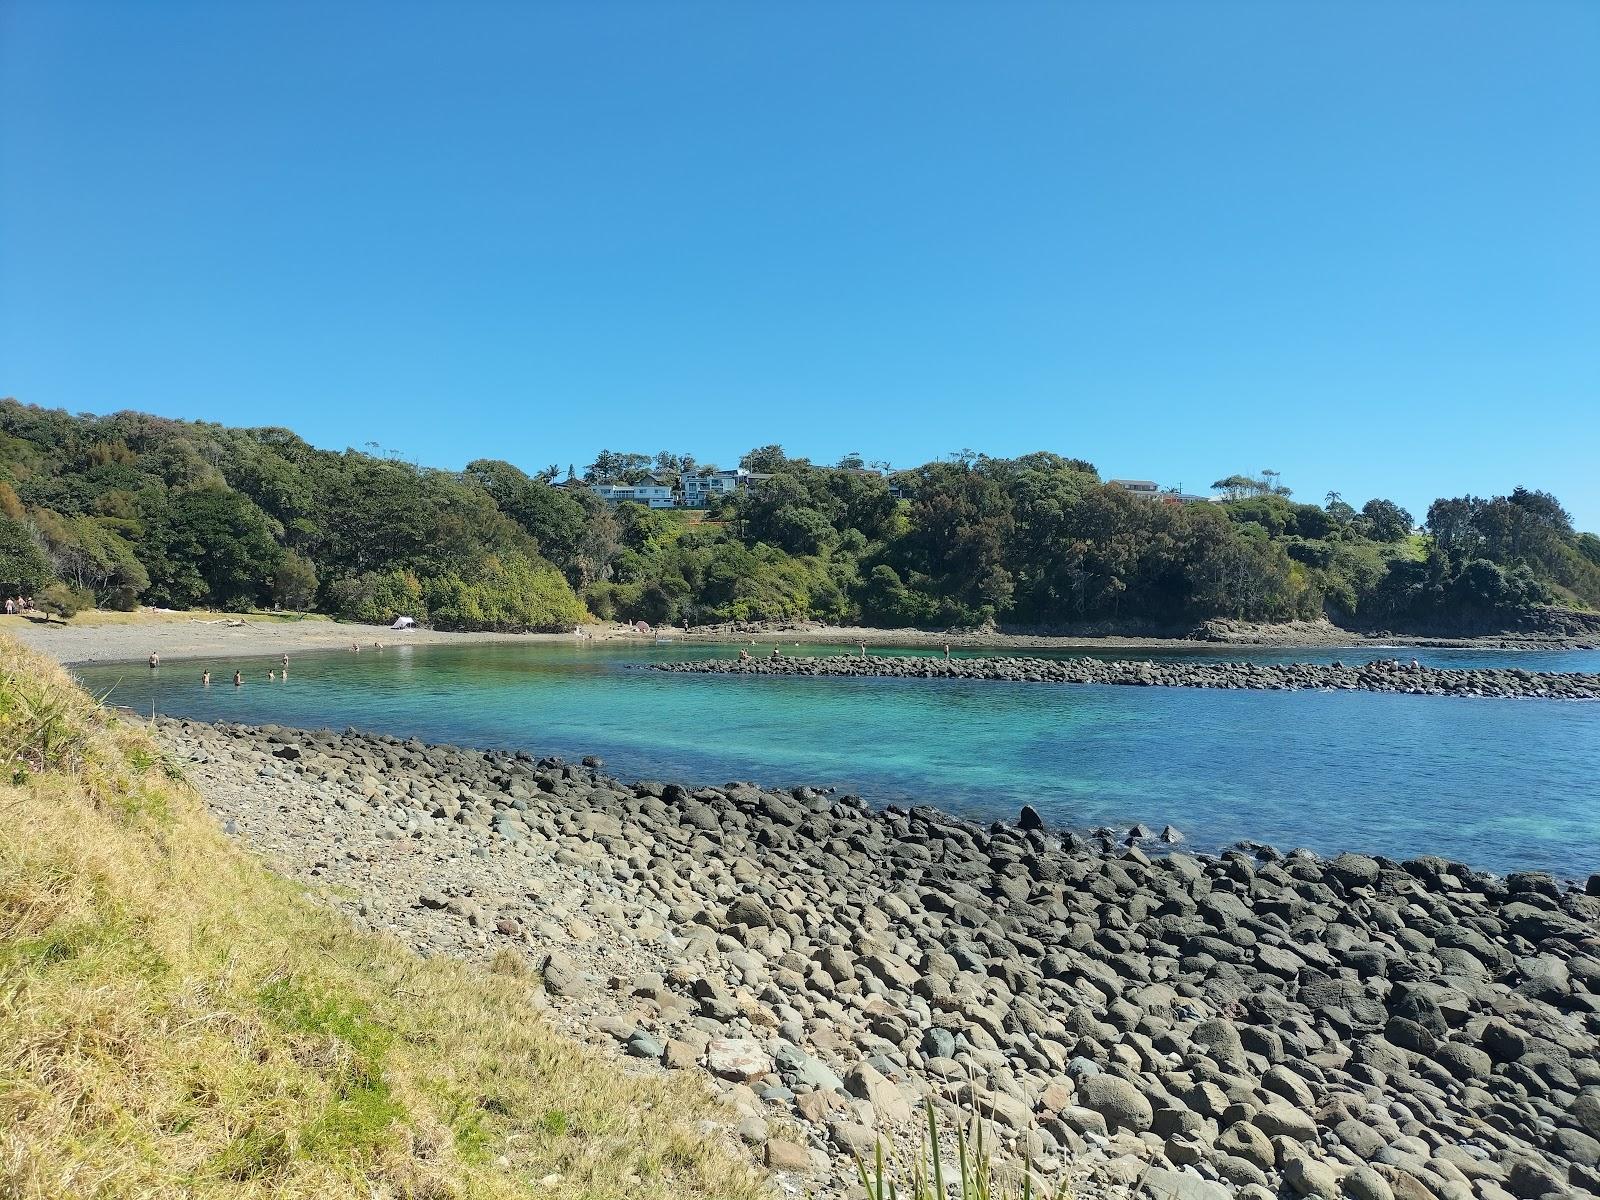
(404, 623)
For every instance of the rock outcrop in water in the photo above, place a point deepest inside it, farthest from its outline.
(1168, 1025)
(1382, 675)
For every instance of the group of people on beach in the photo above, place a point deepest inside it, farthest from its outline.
(18, 604)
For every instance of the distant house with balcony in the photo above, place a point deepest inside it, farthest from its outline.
(1148, 489)
(652, 493)
(1145, 489)
(699, 489)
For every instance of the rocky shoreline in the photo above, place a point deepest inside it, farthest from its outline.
(1380, 675)
(1162, 1024)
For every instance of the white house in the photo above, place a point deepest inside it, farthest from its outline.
(1147, 489)
(700, 490)
(652, 493)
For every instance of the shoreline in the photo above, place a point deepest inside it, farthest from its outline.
(1257, 1019)
(183, 636)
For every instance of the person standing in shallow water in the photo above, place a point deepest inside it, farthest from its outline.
(238, 679)
(155, 660)
(205, 678)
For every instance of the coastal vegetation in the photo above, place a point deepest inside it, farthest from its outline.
(175, 1020)
(132, 509)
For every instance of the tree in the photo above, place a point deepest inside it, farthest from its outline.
(553, 517)
(213, 546)
(1542, 508)
(1453, 525)
(1386, 521)
(852, 462)
(618, 467)
(1240, 487)
(294, 583)
(765, 459)
(22, 562)
(1340, 514)
(63, 600)
(11, 503)
(1237, 487)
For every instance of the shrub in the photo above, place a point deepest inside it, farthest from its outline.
(63, 600)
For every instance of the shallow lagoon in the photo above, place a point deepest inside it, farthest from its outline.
(1501, 784)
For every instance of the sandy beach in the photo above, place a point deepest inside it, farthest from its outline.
(100, 637)
(131, 637)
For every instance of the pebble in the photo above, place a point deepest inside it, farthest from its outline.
(1155, 1021)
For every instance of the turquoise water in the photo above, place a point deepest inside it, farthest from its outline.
(1500, 784)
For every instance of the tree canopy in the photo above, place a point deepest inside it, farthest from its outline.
(133, 508)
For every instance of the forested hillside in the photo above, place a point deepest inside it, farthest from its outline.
(133, 509)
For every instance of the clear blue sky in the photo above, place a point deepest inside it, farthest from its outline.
(1358, 243)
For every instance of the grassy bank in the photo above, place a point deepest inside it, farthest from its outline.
(175, 1020)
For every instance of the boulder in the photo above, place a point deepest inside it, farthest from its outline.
(747, 910)
(737, 1058)
(866, 1082)
(1121, 1104)
(1158, 1183)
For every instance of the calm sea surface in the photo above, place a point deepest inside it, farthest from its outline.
(1500, 784)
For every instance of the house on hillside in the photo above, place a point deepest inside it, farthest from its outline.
(1148, 489)
(1145, 489)
(652, 493)
(699, 490)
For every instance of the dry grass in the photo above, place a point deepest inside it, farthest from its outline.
(177, 1021)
